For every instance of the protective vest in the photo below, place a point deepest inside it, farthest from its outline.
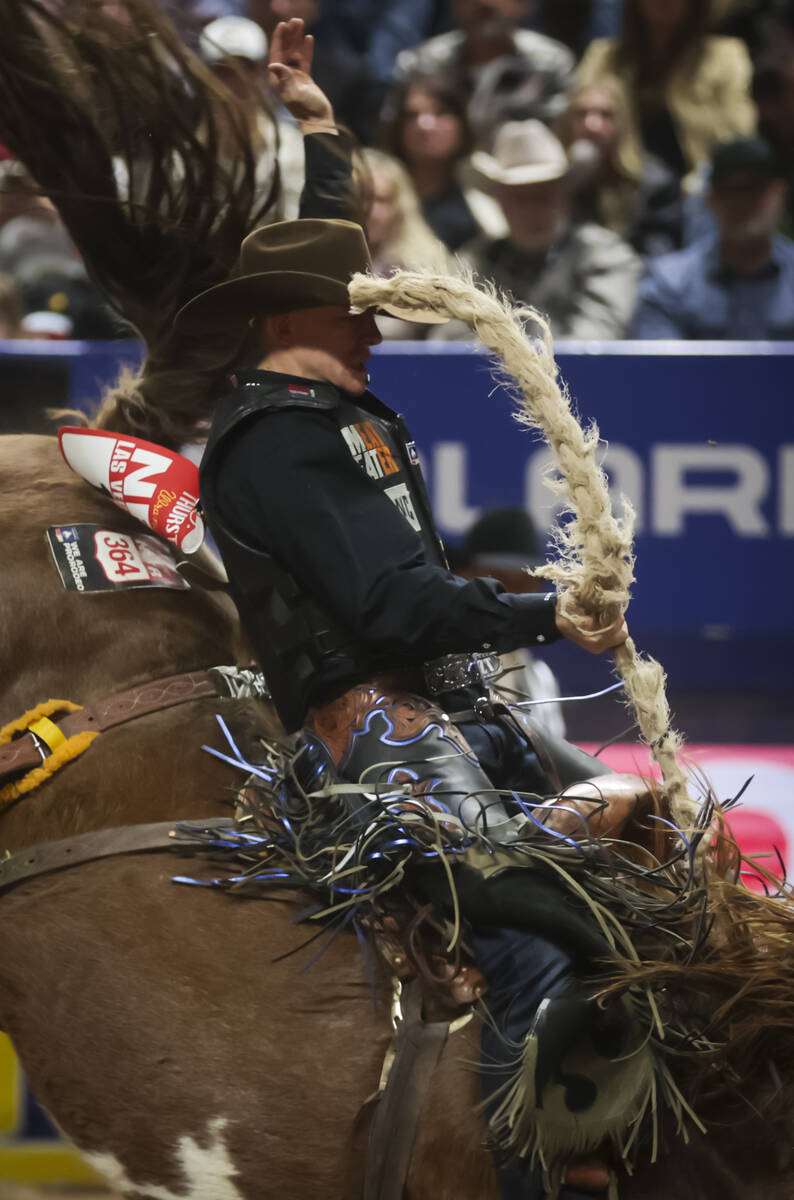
(306, 653)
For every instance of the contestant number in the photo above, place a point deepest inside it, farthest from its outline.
(119, 558)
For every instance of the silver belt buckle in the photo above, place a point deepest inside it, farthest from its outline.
(451, 672)
(447, 673)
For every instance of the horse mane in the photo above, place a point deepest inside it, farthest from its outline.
(151, 164)
(732, 995)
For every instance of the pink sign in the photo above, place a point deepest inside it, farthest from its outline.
(763, 822)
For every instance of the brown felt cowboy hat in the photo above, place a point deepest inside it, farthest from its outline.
(287, 266)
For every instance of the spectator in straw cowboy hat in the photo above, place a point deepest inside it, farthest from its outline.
(582, 276)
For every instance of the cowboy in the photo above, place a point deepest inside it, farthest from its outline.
(374, 652)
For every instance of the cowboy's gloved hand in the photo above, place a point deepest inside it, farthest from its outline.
(581, 628)
(290, 64)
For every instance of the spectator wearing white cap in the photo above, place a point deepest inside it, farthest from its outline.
(236, 49)
(583, 277)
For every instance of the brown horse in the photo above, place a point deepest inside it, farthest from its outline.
(152, 1021)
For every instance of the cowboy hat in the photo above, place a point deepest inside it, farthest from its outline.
(287, 266)
(524, 152)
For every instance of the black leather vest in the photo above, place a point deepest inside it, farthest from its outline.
(307, 655)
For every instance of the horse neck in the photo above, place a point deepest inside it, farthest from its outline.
(66, 645)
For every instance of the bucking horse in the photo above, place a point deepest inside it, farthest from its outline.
(183, 1037)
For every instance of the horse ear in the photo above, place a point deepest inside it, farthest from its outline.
(155, 485)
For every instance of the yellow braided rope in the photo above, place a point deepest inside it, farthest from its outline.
(69, 749)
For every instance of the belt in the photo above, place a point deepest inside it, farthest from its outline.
(452, 672)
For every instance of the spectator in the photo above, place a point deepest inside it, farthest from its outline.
(398, 234)
(500, 545)
(606, 18)
(738, 283)
(576, 22)
(58, 297)
(773, 92)
(613, 181)
(687, 90)
(236, 51)
(582, 276)
(20, 195)
(427, 129)
(377, 30)
(343, 75)
(761, 24)
(503, 72)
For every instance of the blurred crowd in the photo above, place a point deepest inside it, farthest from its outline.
(624, 166)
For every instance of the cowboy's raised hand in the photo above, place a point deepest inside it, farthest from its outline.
(292, 45)
(290, 64)
(576, 625)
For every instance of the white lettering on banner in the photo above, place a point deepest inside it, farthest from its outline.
(786, 488)
(450, 478)
(625, 473)
(739, 502)
(137, 485)
(401, 499)
(624, 470)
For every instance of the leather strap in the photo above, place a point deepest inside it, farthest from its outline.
(526, 729)
(86, 847)
(417, 1046)
(23, 753)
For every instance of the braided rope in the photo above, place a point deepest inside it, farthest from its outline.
(595, 563)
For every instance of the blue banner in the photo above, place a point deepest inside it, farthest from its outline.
(700, 438)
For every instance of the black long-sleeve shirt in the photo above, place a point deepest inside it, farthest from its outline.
(287, 484)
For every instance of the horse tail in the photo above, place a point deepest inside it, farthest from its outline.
(151, 164)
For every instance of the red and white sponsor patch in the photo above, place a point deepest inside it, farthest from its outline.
(158, 486)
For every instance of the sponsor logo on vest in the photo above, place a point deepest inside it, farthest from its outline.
(401, 499)
(369, 450)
